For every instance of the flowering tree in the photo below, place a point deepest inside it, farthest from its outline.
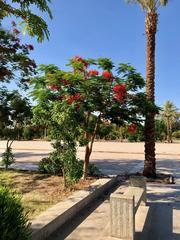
(75, 102)
(14, 57)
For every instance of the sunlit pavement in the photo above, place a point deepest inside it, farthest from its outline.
(111, 157)
(162, 221)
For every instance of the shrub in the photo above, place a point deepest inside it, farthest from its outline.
(62, 161)
(51, 164)
(93, 170)
(7, 157)
(72, 168)
(13, 220)
(176, 134)
(27, 133)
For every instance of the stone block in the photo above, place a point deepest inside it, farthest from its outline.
(139, 181)
(122, 216)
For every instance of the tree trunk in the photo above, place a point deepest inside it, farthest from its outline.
(150, 159)
(88, 150)
(168, 131)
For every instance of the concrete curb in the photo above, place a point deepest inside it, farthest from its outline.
(53, 218)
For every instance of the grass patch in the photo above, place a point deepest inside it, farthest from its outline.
(38, 191)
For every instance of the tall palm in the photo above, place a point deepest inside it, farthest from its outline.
(150, 7)
(169, 113)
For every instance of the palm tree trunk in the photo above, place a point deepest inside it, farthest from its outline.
(168, 130)
(150, 159)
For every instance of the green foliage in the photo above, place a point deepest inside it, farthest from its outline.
(13, 223)
(27, 133)
(74, 103)
(31, 22)
(71, 166)
(51, 164)
(16, 64)
(14, 111)
(176, 134)
(7, 158)
(62, 161)
(160, 127)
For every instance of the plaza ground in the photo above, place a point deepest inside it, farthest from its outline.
(161, 222)
(111, 157)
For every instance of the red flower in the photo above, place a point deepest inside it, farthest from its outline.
(119, 88)
(30, 47)
(54, 87)
(65, 82)
(78, 106)
(61, 97)
(80, 59)
(120, 92)
(107, 75)
(132, 128)
(16, 31)
(74, 98)
(92, 73)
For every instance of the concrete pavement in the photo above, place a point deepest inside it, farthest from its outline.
(161, 222)
(111, 157)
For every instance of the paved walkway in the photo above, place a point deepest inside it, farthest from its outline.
(160, 222)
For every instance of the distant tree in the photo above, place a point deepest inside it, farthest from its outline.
(169, 114)
(150, 7)
(160, 129)
(14, 112)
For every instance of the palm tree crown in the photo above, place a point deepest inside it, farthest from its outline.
(150, 5)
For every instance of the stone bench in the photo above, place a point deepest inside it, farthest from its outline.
(124, 207)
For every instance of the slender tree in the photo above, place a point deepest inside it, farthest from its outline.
(169, 113)
(150, 7)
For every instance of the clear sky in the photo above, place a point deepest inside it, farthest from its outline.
(114, 29)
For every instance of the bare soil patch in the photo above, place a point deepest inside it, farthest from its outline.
(39, 191)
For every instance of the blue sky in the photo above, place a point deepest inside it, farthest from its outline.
(114, 29)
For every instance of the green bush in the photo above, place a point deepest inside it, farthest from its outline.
(73, 169)
(13, 221)
(51, 164)
(27, 133)
(7, 158)
(176, 134)
(93, 170)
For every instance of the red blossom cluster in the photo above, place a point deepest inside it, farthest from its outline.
(107, 75)
(80, 59)
(30, 47)
(92, 73)
(132, 128)
(74, 98)
(16, 31)
(120, 93)
(54, 87)
(64, 81)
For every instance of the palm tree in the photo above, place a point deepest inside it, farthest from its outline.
(169, 113)
(150, 7)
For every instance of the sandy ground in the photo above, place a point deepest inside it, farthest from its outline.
(111, 157)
